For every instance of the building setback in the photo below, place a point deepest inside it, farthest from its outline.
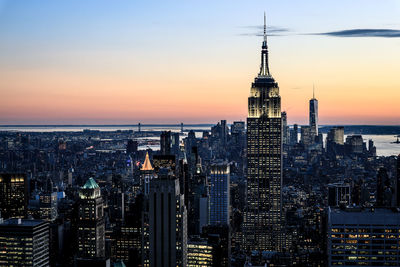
(263, 215)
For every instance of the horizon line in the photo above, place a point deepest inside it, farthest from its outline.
(170, 124)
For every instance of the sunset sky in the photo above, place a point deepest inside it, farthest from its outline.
(121, 62)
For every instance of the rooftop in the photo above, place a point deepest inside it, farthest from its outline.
(90, 184)
(146, 164)
(377, 216)
(21, 222)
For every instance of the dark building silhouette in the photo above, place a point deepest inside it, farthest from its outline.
(339, 195)
(175, 144)
(294, 139)
(13, 195)
(335, 141)
(398, 181)
(218, 236)
(167, 222)
(263, 217)
(165, 143)
(384, 190)
(131, 147)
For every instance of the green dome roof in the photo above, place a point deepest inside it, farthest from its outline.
(90, 184)
(119, 264)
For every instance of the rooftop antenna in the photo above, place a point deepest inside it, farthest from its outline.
(265, 27)
(313, 91)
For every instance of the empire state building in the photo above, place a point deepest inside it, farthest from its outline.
(263, 215)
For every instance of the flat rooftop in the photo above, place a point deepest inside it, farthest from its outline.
(374, 216)
(20, 222)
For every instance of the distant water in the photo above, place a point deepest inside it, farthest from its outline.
(79, 128)
(383, 144)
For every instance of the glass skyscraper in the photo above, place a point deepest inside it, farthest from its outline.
(219, 193)
(263, 215)
(313, 117)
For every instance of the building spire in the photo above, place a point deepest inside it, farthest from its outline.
(265, 28)
(313, 91)
(146, 164)
(264, 68)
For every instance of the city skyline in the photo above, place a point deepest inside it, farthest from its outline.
(86, 63)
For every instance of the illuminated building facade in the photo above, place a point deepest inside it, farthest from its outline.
(91, 229)
(24, 243)
(363, 237)
(199, 253)
(147, 174)
(219, 193)
(13, 195)
(263, 215)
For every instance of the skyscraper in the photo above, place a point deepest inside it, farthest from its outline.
(219, 193)
(24, 242)
(285, 129)
(13, 195)
(165, 143)
(313, 117)
(91, 229)
(263, 216)
(167, 222)
(398, 182)
(363, 237)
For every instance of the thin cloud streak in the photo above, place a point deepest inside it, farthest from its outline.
(271, 31)
(385, 33)
(280, 31)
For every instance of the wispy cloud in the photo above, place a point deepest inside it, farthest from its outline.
(386, 33)
(271, 31)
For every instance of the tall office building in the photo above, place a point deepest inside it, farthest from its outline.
(147, 174)
(336, 135)
(263, 215)
(285, 129)
(363, 237)
(165, 143)
(384, 189)
(91, 229)
(219, 193)
(48, 206)
(335, 141)
(398, 182)
(306, 137)
(167, 222)
(314, 117)
(294, 135)
(24, 243)
(13, 195)
(339, 194)
(175, 145)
